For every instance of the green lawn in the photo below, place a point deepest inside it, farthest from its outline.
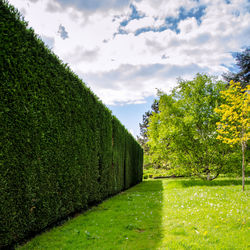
(160, 214)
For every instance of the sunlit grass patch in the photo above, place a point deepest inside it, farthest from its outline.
(160, 214)
(205, 215)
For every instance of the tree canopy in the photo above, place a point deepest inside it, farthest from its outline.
(233, 127)
(182, 135)
(143, 138)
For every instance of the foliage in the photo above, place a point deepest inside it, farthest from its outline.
(61, 148)
(143, 138)
(160, 214)
(182, 136)
(234, 125)
(152, 172)
(243, 62)
(233, 128)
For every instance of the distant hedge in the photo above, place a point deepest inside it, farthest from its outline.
(61, 148)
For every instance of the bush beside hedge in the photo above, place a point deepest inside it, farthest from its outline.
(61, 148)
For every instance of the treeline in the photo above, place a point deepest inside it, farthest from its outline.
(200, 128)
(61, 148)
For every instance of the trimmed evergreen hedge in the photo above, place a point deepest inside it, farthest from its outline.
(61, 148)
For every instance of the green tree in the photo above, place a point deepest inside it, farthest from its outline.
(233, 127)
(183, 134)
(143, 138)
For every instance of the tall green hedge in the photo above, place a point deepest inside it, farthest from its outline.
(61, 148)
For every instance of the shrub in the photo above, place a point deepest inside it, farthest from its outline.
(61, 148)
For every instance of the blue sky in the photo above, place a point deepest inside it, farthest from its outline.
(130, 115)
(125, 50)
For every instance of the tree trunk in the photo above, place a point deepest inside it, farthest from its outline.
(210, 178)
(243, 166)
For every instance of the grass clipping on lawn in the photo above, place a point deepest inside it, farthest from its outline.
(160, 214)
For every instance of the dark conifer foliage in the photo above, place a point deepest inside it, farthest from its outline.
(61, 148)
(243, 62)
(143, 138)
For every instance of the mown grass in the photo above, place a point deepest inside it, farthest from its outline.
(160, 214)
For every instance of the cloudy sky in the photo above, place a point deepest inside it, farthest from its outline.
(126, 49)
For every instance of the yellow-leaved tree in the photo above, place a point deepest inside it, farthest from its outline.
(233, 127)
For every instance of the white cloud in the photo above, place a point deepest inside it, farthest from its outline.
(131, 84)
(126, 68)
(162, 8)
(188, 26)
